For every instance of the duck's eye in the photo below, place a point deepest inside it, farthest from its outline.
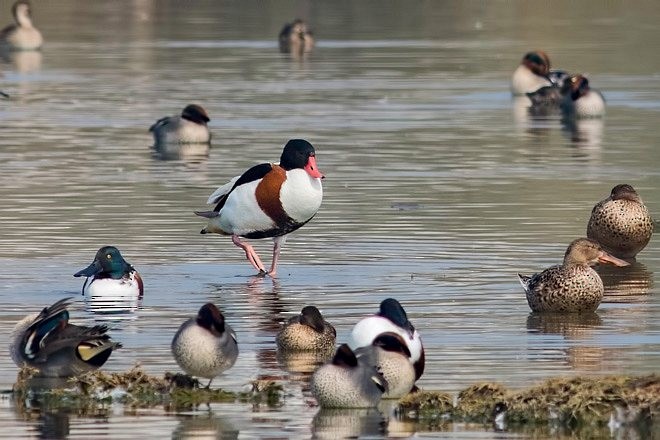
(108, 256)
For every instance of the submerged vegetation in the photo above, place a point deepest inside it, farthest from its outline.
(589, 405)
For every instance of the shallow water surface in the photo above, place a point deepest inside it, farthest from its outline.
(439, 190)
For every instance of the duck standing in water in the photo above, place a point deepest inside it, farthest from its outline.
(296, 37)
(307, 331)
(46, 341)
(111, 276)
(390, 318)
(621, 223)
(268, 200)
(391, 357)
(205, 345)
(572, 286)
(347, 382)
(22, 35)
(188, 128)
(581, 101)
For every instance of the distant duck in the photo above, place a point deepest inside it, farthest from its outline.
(391, 318)
(22, 35)
(295, 37)
(390, 355)
(188, 128)
(531, 74)
(46, 341)
(307, 331)
(111, 276)
(268, 200)
(205, 345)
(573, 286)
(581, 101)
(347, 382)
(621, 223)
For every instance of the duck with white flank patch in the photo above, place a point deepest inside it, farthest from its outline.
(46, 341)
(391, 318)
(390, 355)
(307, 331)
(205, 345)
(621, 223)
(111, 276)
(580, 100)
(268, 200)
(188, 128)
(347, 382)
(573, 286)
(22, 35)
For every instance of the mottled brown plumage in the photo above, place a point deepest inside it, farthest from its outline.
(307, 331)
(621, 223)
(573, 286)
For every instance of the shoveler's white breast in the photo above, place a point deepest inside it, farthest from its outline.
(367, 329)
(301, 195)
(127, 287)
(241, 213)
(525, 81)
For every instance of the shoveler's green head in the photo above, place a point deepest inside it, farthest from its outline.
(108, 263)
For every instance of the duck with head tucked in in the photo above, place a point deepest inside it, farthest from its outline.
(187, 128)
(573, 286)
(621, 223)
(390, 355)
(22, 35)
(110, 275)
(205, 345)
(347, 382)
(296, 38)
(48, 342)
(268, 200)
(531, 74)
(307, 331)
(390, 318)
(579, 100)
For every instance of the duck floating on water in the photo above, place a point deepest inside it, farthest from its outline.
(48, 342)
(307, 331)
(621, 223)
(110, 275)
(572, 287)
(205, 345)
(187, 128)
(22, 35)
(295, 37)
(390, 318)
(268, 200)
(581, 101)
(348, 382)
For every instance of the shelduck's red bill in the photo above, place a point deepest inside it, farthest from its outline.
(312, 169)
(604, 257)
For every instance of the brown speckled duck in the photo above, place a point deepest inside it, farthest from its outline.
(307, 331)
(572, 286)
(621, 223)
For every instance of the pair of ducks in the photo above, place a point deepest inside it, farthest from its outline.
(549, 89)
(620, 226)
(383, 358)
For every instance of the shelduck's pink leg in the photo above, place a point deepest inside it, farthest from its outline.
(277, 246)
(250, 253)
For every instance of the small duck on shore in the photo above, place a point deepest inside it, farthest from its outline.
(347, 382)
(390, 318)
(295, 37)
(22, 35)
(307, 331)
(205, 345)
(111, 276)
(48, 342)
(572, 287)
(187, 128)
(621, 223)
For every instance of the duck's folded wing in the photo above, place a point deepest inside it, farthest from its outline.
(159, 123)
(220, 195)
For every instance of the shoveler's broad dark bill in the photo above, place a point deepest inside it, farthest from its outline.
(268, 200)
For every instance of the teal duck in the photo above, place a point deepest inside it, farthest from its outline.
(307, 331)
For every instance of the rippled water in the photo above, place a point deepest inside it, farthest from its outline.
(439, 190)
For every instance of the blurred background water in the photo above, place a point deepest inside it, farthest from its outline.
(439, 189)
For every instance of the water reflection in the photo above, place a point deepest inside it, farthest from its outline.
(204, 426)
(585, 134)
(25, 61)
(113, 308)
(571, 326)
(190, 153)
(334, 423)
(626, 284)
